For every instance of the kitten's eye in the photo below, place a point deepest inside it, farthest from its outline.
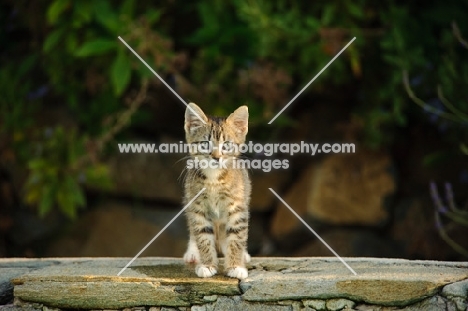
(228, 146)
(204, 146)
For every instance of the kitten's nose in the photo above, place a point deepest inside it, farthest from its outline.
(216, 155)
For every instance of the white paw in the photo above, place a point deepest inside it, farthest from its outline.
(192, 255)
(238, 273)
(205, 271)
(247, 257)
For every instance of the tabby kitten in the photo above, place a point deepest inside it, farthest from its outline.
(218, 218)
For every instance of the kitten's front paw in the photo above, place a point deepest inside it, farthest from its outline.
(205, 271)
(238, 273)
(192, 255)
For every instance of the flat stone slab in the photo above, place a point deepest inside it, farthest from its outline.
(87, 283)
(94, 284)
(387, 282)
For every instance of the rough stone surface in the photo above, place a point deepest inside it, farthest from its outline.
(295, 284)
(435, 303)
(339, 304)
(109, 231)
(261, 199)
(237, 304)
(348, 243)
(458, 289)
(379, 281)
(316, 304)
(6, 288)
(94, 284)
(10, 269)
(284, 222)
(460, 303)
(147, 175)
(344, 183)
(425, 240)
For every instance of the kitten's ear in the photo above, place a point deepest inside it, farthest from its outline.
(240, 120)
(194, 118)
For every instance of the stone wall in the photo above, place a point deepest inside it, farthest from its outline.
(155, 284)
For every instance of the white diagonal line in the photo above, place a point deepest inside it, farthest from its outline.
(162, 230)
(164, 82)
(312, 230)
(313, 79)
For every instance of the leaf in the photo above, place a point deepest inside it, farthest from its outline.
(120, 73)
(26, 65)
(82, 10)
(355, 10)
(328, 14)
(47, 200)
(56, 9)
(464, 148)
(99, 176)
(75, 191)
(65, 203)
(33, 194)
(96, 47)
(106, 16)
(37, 164)
(128, 8)
(153, 16)
(435, 158)
(52, 39)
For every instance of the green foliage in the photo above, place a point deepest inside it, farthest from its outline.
(56, 176)
(220, 54)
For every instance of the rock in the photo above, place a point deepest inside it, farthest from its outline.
(284, 223)
(458, 289)
(425, 241)
(11, 268)
(332, 192)
(339, 304)
(384, 282)
(461, 304)
(147, 175)
(435, 303)
(351, 189)
(14, 307)
(237, 304)
(95, 284)
(261, 199)
(259, 242)
(273, 284)
(349, 243)
(115, 229)
(210, 298)
(318, 305)
(295, 305)
(6, 288)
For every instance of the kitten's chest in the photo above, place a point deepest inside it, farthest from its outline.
(216, 204)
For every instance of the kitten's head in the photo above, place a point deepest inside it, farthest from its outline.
(223, 134)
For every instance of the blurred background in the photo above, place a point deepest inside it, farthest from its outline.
(70, 91)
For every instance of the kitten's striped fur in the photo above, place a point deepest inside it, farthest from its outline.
(218, 218)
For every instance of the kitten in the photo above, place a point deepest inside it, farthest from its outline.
(218, 218)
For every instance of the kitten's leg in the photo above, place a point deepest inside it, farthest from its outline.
(236, 242)
(192, 255)
(202, 231)
(247, 257)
